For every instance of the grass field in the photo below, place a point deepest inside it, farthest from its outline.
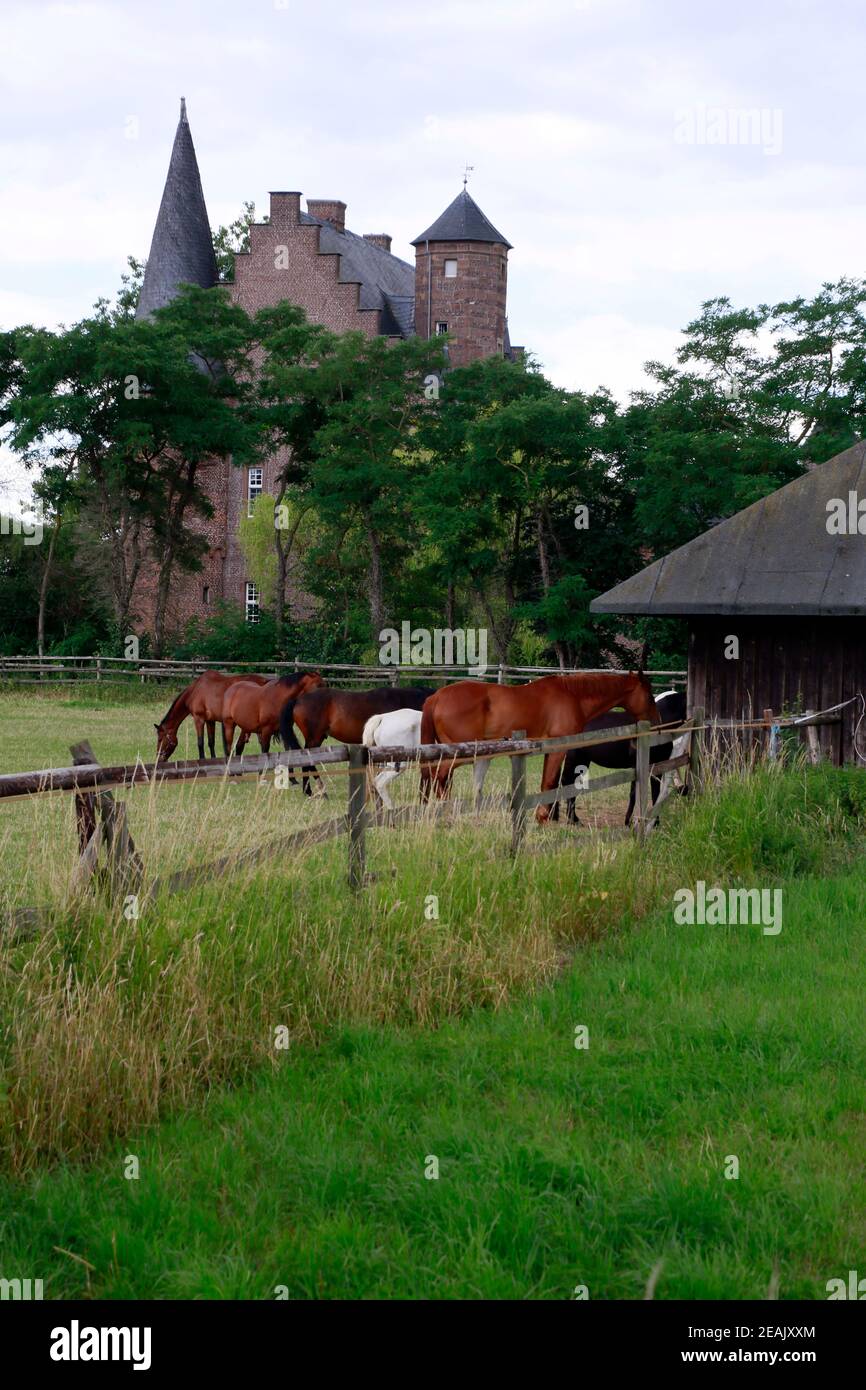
(452, 1039)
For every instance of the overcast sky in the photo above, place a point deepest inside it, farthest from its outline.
(604, 134)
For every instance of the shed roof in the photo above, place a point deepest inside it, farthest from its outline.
(774, 557)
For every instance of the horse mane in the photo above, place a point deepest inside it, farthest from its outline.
(597, 682)
(168, 712)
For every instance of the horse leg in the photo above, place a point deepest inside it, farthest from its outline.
(631, 796)
(229, 727)
(314, 737)
(211, 736)
(199, 733)
(549, 779)
(242, 742)
(381, 781)
(479, 772)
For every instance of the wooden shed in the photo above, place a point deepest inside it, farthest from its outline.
(786, 578)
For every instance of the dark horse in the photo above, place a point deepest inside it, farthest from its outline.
(341, 714)
(472, 711)
(622, 753)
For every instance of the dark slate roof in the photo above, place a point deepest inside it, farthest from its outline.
(386, 282)
(182, 248)
(775, 557)
(462, 220)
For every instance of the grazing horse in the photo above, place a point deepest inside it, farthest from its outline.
(401, 728)
(622, 753)
(256, 709)
(204, 701)
(552, 707)
(340, 714)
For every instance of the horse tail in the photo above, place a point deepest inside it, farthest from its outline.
(428, 722)
(287, 726)
(369, 735)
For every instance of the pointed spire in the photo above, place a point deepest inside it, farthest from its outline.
(182, 248)
(462, 220)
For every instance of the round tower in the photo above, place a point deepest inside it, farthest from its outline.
(461, 278)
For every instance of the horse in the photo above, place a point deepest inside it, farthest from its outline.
(622, 753)
(551, 707)
(401, 728)
(204, 701)
(256, 709)
(341, 714)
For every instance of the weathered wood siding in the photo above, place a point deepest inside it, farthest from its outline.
(790, 664)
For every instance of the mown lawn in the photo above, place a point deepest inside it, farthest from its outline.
(557, 1167)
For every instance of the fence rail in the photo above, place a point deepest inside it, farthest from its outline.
(118, 670)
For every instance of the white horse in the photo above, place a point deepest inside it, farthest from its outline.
(401, 728)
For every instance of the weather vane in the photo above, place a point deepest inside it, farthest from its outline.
(466, 172)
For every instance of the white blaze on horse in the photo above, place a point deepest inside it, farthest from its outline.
(400, 728)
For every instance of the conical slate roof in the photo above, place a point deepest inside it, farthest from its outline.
(462, 220)
(182, 248)
(775, 557)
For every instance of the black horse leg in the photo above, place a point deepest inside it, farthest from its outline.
(211, 736)
(630, 812)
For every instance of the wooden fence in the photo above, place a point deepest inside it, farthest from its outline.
(102, 822)
(117, 671)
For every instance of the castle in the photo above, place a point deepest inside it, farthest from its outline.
(343, 281)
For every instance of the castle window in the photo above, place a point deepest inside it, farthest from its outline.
(251, 603)
(450, 270)
(254, 488)
(205, 595)
(441, 326)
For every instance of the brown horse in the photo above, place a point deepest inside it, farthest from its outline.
(548, 708)
(341, 714)
(256, 709)
(204, 701)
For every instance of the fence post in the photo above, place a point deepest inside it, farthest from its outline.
(500, 679)
(814, 741)
(518, 797)
(642, 777)
(85, 802)
(772, 736)
(696, 750)
(357, 813)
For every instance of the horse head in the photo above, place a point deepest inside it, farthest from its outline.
(637, 699)
(166, 742)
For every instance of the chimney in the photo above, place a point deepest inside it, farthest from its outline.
(328, 210)
(380, 239)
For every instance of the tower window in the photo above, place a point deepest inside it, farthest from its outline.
(441, 326)
(254, 488)
(251, 603)
(450, 270)
(205, 595)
